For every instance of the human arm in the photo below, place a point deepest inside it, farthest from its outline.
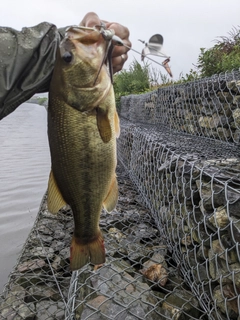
(27, 59)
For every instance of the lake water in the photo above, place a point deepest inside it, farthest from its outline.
(24, 170)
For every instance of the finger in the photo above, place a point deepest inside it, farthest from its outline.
(118, 50)
(118, 62)
(120, 30)
(90, 20)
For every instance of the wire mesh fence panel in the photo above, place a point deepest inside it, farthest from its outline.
(190, 180)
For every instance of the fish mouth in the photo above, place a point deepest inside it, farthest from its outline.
(90, 36)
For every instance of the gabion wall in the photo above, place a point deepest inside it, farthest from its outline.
(207, 107)
(180, 147)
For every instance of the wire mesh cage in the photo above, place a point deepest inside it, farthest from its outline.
(190, 179)
(172, 243)
(139, 280)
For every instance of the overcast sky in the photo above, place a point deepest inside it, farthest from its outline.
(186, 25)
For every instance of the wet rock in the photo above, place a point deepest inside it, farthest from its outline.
(116, 234)
(42, 252)
(59, 234)
(13, 299)
(23, 311)
(220, 218)
(221, 264)
(137, 253)
(234, 85)
(236, 117)
(57, 263)
(122, 286)
(50, 310)
(144, 231)
(58, 245)
(42, 292)
(107, 307)
(65, 253)
(29, 280)
(31, 265)
(230, 255)
(225, 301)
(236, 229)
(233, 201)
(209, 122)
(210, 197)
(46, 239)
(182, 305)
(26, 312)
(45, 230)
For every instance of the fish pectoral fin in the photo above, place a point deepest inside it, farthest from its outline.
(111, 200)
(117, 124)
(103, 124)
(55, 199)
(81, 254)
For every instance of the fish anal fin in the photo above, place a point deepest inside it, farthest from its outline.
(112, 197)
(81, 254)
(55, 199)
(103, 124)
(117, 124)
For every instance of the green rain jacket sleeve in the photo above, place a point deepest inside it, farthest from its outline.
(26, 63)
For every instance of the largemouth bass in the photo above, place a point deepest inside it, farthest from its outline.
(82, 128)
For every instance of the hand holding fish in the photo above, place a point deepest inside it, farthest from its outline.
(119, 55)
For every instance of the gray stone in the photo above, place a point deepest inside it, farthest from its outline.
(234, 85)
(230, 307)
(42, 252)
(211, 196)
(220, 218)
(50, 310)
(31, 265)
(29, 280)
(182, 305)
(65, 253)
(235, 229)
(26, 311)
(42, 292)
(236, 136)
(236, 100)
(236, 117)
(209, 122)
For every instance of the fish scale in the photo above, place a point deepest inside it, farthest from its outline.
(82, 138)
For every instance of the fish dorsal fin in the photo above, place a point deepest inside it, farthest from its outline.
(103, 124)
(55, 200)
(111, 200)
(117, 124)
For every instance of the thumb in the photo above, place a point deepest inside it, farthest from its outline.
(91, 19)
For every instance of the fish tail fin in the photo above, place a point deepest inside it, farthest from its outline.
(81, 254)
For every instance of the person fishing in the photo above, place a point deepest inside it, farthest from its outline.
(27, 59)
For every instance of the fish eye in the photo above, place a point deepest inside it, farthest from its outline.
(67, 57)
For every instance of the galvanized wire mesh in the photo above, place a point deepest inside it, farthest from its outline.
(139, 280)
(191, 182)
(172, 243)
(206, 107)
